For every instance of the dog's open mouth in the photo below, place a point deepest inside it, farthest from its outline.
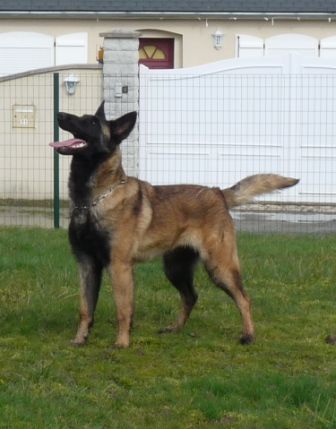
(71, 144)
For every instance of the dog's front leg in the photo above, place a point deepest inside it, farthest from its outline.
(123, 288)
(90, 273)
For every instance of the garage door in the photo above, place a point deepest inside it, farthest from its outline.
(23, 51)
(20, 51)
(71, 49)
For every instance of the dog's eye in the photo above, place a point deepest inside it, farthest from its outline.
(93, 122)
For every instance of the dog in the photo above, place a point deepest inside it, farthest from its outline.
(117, 221)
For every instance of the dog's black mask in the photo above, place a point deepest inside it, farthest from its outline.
(93, 134)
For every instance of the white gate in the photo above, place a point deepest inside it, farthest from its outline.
(217, 123)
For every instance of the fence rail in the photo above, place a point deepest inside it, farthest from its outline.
(209, 131)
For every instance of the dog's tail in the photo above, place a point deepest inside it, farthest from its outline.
(248, 188)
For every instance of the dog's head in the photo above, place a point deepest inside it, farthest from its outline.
(93, 134)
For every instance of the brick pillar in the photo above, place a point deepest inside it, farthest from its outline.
(121, 86)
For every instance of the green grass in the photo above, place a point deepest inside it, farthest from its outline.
(199, 378)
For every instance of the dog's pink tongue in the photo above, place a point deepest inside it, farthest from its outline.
(67, 143)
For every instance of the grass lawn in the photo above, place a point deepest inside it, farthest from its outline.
(199, 378)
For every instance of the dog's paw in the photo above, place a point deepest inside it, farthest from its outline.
(247, 339)
(331, 339)
(78, 343)
(120, 346)
(122, 343)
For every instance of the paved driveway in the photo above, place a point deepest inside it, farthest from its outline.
(280, 219)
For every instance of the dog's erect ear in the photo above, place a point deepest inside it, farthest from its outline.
(101, 112)
(121, 127)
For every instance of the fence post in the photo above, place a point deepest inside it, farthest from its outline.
(56, 156)
(121, 86)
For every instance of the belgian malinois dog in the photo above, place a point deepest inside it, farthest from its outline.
(118, 220)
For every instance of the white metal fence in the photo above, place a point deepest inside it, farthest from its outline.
(217, 123)
(210, 125)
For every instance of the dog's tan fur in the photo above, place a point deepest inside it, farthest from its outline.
(117, 221)
(146, 221)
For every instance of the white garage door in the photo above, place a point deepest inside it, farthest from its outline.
(249, 46)
(328, 47)
(292, 43)
(71, 49)
(23, 51)
(254, 47)
(20, 51)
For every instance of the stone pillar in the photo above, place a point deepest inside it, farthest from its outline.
(121, 86)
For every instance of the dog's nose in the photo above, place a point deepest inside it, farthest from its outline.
(61, 116)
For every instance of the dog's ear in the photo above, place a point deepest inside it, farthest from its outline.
(101, 112)
(121, 127)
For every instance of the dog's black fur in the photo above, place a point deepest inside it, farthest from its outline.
(117, 220)
(86, 238)
(90, 243)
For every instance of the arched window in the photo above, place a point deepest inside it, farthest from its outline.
(156, 53)
(151, 52)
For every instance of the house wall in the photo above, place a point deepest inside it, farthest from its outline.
(193, 36)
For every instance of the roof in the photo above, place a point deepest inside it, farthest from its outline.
(170, 7)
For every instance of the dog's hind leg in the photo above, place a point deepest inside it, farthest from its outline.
(223, 268)
(90, 273)
(179, 266)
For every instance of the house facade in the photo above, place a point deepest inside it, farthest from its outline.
(175, 34)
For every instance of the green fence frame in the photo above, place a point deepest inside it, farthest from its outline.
(56, 156)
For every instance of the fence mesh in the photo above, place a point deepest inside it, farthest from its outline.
(27, 108)
(211, 130)
(216, 129)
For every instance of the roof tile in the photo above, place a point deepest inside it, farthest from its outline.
(197, 6)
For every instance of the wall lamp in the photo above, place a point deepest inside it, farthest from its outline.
(71, 83)
(217, 39)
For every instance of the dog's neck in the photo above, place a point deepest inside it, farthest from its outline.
(109, 173)
(91, 177)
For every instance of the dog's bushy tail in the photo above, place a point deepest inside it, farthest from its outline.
(248, 188)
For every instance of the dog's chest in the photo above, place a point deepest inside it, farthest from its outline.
(88, 238)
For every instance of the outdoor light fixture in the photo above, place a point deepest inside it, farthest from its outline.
(71, 83)
(217, 39)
